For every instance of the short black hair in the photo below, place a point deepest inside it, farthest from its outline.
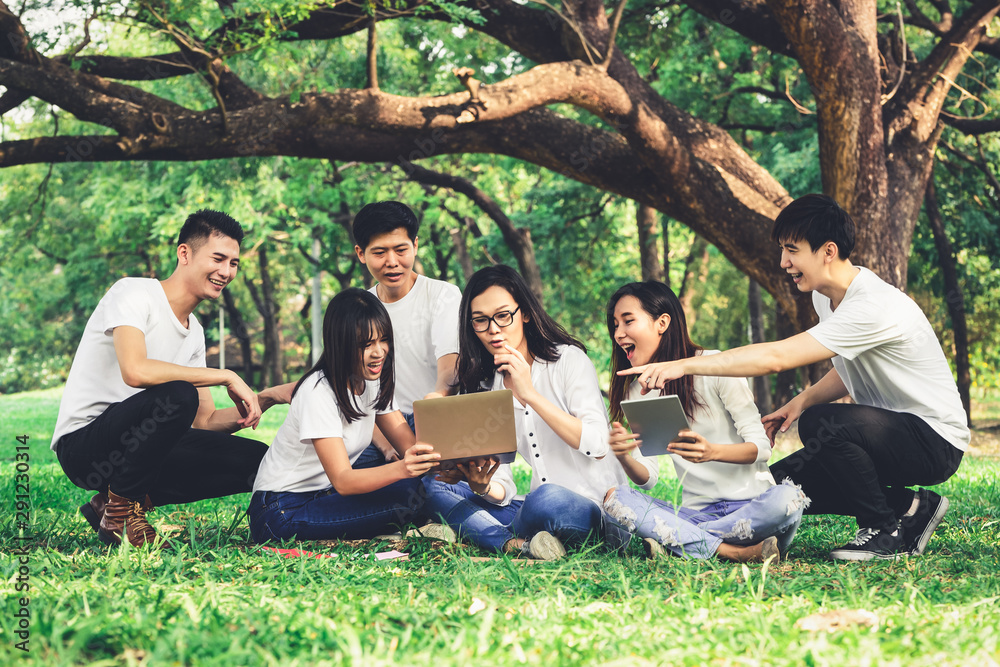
(817, 219)
(381, 218)
(202, 224)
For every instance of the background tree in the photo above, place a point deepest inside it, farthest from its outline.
(713, 113)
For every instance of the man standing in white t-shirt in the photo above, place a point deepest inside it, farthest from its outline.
(907, 425)
(137, 422)
(424, 311)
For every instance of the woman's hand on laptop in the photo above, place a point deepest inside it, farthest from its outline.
(479, 472)
(450, 476)
(419, 459)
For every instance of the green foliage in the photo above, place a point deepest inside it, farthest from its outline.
(972, 223)
(69, 233)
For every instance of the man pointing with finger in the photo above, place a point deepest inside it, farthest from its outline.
(907, 425)
(137, 422)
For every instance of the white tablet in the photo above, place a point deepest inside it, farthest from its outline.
(656, 421)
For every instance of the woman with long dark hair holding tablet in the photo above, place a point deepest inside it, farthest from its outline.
(508, 341)
(730, 504)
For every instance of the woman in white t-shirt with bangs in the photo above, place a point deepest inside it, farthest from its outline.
(306, 487)
(730, 505)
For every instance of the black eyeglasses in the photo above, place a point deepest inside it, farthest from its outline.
(502, 319)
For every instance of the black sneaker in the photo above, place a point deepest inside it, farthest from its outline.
(871, 544)
(917, 529)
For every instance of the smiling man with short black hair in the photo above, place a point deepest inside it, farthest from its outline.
(137, 422)
(907, 425)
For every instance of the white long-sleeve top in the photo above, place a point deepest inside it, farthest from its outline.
(728, 416)
(570, 383)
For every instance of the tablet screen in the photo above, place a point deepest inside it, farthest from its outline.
(656, 421)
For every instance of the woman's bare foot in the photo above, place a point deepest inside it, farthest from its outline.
(755, 553)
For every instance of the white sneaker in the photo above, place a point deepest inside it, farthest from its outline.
(654, 550)
(544, 545)
(434, 531)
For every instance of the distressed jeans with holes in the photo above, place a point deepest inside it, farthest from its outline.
(698, 533)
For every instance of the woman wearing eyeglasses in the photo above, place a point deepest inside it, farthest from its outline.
(507, 341)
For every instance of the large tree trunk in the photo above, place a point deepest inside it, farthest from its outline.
(649, 259)
(238, 328)
(273, 363)
(695, 271)
(954, 297)
(462, 251)
(666, 250)
(762, 384)
(786, 385)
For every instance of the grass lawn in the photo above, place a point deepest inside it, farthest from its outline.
(217, 599)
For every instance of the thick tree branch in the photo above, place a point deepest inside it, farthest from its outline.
(970, 126)
(123, 108)
(751, 18)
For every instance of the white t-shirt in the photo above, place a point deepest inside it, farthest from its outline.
(291, 463)
(728, 416)
(570, 383)
(888, 355)
(95, 379)
(424, 329)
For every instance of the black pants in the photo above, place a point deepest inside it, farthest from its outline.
(858, 460)
(145, 445)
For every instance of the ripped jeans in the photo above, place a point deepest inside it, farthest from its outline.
(698, 533)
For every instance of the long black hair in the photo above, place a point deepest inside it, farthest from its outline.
(675, 343)
(353, 319)
(543, 334)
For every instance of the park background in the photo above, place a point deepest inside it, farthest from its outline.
(584, 166)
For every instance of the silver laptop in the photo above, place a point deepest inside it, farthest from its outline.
(466, 427)
(656, 421)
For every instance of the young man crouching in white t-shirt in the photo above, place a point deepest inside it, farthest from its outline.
(137, 422)
(907, 425)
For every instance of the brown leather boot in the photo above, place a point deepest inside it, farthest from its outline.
(128, 516)
(93, 510)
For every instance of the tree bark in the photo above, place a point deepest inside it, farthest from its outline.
(649, 259)
(762, 384)
(273, 364)
(953, 296)
(695, 269)
(666, 250)
(462, 252)
(786, 385)
(238, 328)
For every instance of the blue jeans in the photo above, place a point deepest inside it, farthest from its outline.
(327, 515)
(698, 533)
(553, 508)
